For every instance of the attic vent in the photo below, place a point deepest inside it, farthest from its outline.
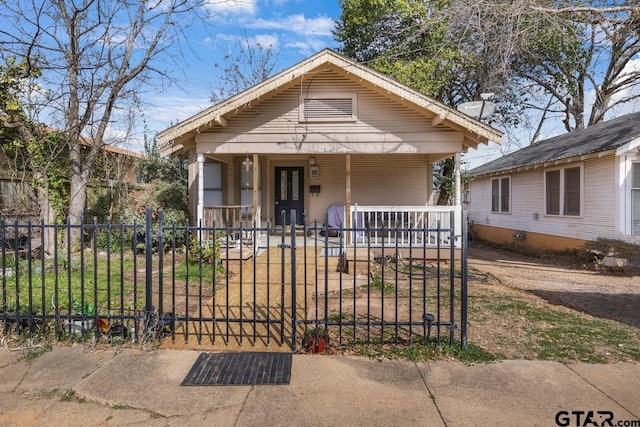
(328, 108)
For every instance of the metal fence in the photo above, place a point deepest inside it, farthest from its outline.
(210, 287)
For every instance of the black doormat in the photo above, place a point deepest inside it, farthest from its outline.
(240, 369)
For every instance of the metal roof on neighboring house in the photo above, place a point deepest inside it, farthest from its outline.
(600, 137)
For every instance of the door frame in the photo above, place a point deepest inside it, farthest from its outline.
(301, 193)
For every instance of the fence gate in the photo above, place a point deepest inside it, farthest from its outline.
(239, 298)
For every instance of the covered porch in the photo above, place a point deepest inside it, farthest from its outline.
(270, 187)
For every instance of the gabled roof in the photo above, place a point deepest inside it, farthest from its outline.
(605, 136)
(476, 130)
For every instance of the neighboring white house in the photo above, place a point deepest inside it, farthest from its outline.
(564, 191)
(328, 131)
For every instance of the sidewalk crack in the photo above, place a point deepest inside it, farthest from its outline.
(431, 395)
(601, 391)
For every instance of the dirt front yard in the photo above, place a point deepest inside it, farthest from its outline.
(521, 307)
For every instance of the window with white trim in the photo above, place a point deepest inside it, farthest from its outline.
(635, 199)
(563, 191)
(501, 195)
(212, 184)
(329, 107)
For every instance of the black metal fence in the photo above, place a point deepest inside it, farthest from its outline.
(254, 287)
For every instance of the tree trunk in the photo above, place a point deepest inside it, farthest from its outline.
(47, 215)
(78, 191)
(447, 171)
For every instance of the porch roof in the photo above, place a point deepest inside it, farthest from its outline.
(475, 132)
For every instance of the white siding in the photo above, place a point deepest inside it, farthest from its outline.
(599, 206)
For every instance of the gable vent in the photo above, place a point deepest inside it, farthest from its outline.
(332, 108)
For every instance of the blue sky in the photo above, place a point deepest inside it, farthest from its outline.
(294, 28)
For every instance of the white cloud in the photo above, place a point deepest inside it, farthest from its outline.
(232, 7)
(631, 68)
(265, 40)
(283, 2)
(320, 26)
(168, 110)
(307, 47)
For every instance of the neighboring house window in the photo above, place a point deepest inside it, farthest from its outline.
(328, 107)
(213, 184)
(466, 192)
(563, 191)
(501, 194)
(635, 199)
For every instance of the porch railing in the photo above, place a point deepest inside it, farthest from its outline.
(239, 218)
(402, 225)
(228, 216)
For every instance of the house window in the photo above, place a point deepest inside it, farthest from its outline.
(501, 194)
(328, 108)
(563, 191)
(466, 192)
(246, 185)
(212, 184)
(635, 199)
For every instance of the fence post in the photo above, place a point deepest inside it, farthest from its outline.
(160, 260)
(463, 282)
(148, 248)
(294, 318)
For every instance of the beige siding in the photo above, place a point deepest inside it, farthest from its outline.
(332, 182)
(193, 186)
(375, 180)
(279, 114)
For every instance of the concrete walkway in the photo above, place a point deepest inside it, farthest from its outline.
(74, 386)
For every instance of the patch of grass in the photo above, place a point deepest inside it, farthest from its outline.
(472, 354)
(551, 333)
(34, 353)
(335, 316)
(195, 270)
(121, 407)
(68, 396)
(418, 352)
(376, 283)
(57, 282)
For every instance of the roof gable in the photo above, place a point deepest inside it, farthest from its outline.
(601, 137)
(475, 131)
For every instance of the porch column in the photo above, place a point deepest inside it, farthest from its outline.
(458, 183)
(458, 199)
(347, 205)
(200, 207)
(256, 198)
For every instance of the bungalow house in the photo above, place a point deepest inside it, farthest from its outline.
(564, 191)
(327, 134)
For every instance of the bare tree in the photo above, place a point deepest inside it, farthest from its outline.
(576, 53)
(93, 56)
(247, 64)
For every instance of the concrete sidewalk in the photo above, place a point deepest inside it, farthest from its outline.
(74, 386)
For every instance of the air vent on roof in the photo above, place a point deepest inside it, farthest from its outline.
(329, 108)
